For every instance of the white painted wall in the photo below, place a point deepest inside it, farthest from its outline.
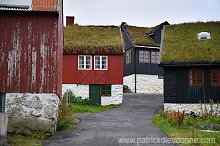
(149, 84)
(196, 108)
(78, 90)
(83, 91)
(116, 95)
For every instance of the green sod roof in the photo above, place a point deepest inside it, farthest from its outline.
(90, 39)
(139, 35)
(180, 43)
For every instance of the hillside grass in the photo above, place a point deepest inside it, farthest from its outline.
(180, 42)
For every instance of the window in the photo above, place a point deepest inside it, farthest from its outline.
(128, 57)
(148, 56)
(106, 90)
(154, 57)
(215, 77)
(144, 56)
(84, 62)
(101, 62)
(196, 77)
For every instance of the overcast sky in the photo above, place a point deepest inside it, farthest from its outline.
(141, 12)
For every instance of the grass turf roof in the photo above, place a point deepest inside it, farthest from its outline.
(139, 35)
(90, 39)
(180, 43)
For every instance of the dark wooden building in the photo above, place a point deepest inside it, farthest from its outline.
(93, 63)
(141, 51)
(191, 62)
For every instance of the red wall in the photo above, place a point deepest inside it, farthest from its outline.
(114, 74)
(31, 54)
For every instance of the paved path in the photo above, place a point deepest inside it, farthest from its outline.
(131, 120)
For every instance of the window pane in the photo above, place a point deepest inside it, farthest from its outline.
(141, 59)
(192, 82)
(88, 57)
(104, 67)
(141, 52)
(199, 76)
(199, 82)
(87, 66)
(214, 71)
(214, 77)
(146, 60)
(214, 82)
(199, 71)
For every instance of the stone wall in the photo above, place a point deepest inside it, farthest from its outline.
(116, 96)
(198, 109)
(32, 113)
(78, 90)
(149, 84)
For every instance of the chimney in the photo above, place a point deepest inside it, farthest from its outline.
(69, 20)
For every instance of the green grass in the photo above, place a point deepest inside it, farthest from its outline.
(88, 39)
(180, 42)
(186, 130)
(78, 108)
(18, 140)
(138, 34)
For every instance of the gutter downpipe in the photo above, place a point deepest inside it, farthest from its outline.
(135, 75)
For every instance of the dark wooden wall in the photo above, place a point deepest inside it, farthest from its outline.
(176, 89)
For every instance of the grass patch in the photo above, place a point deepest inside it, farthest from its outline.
(88, 39)
(19, 140)
(180, 42)
(79, 108)
(188, 129)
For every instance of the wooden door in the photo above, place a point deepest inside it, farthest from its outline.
(95, 94)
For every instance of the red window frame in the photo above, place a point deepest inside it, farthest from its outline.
(215, 77)
(196, 77)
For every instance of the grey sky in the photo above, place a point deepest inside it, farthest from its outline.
(141, 12)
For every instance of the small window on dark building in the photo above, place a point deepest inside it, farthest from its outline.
(196, 77)
(154, 57)
(106, 90)
(215, 77)
(144, 56)
(128, 57)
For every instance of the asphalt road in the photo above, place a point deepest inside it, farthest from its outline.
(110, 128)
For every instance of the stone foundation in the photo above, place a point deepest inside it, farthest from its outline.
(198, 109)
(83, 91)
(78, 90)
(116, 96)
(32, 113)
(149, 84)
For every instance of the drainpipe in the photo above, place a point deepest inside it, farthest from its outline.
(135, 75)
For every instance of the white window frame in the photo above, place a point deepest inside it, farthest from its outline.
(84, 60)
(101, 63)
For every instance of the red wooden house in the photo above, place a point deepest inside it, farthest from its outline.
(31, 42)
(93, 63)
